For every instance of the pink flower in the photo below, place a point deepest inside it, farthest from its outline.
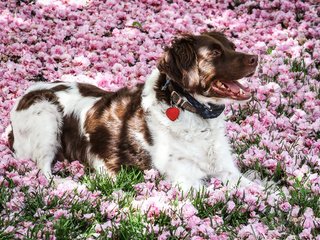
(61, 213)
(230, 206)
(306, 234)
(255, 229)
(193, 221)
(164, 235)
(308, 218)
(285, 206)
(103, 227)
(197, 238)
(216, 196)
(151, 174)
(153, 211)
(110, 209)
(9, 229)
(295, 211)
(81, 60)
(76, 169)
(188, 210)
(270, 164)
(88, 215)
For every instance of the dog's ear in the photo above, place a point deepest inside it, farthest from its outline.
(179, 62)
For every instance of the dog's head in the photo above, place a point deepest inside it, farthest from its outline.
(208, 67)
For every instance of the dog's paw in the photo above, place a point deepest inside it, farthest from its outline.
(189, 188)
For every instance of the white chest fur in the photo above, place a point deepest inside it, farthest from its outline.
(190, 148)
(186, 147)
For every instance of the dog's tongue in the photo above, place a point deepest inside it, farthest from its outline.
(235, 86)
(232, 89)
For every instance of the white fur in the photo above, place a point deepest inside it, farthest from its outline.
(74, 103)
(205, 52)
(71, 99)
(35, 133)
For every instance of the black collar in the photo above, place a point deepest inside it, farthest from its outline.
(178, 96)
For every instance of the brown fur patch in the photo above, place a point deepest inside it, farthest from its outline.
(74, 144)
(112, 124)
(60, 87)
(59, 157)
(11, 140)
(100, 141)
(131, 151)
(144, 127)
(36, 96)
(88, 90)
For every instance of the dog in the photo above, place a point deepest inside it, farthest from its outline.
(174, 122)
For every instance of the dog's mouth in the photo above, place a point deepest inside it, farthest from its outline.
(234, 89)
(231, 89)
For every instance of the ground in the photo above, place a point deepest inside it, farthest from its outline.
(116, 43)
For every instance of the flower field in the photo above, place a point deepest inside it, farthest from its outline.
(113, 44)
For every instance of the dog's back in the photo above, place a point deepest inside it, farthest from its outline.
(79, 121)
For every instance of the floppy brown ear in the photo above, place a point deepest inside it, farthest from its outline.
(180, 61)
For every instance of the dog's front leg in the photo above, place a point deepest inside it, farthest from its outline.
(186, 183)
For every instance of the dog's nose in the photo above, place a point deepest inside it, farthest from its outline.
(252, 60)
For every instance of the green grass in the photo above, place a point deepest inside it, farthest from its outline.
(125, 180)
(133, 223)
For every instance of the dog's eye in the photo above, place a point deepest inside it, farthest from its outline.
(216, 53)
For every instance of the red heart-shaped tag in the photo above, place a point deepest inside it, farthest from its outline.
(173, 113)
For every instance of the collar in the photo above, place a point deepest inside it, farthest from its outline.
(182, 99)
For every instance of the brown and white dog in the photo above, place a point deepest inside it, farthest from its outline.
(173, 122)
